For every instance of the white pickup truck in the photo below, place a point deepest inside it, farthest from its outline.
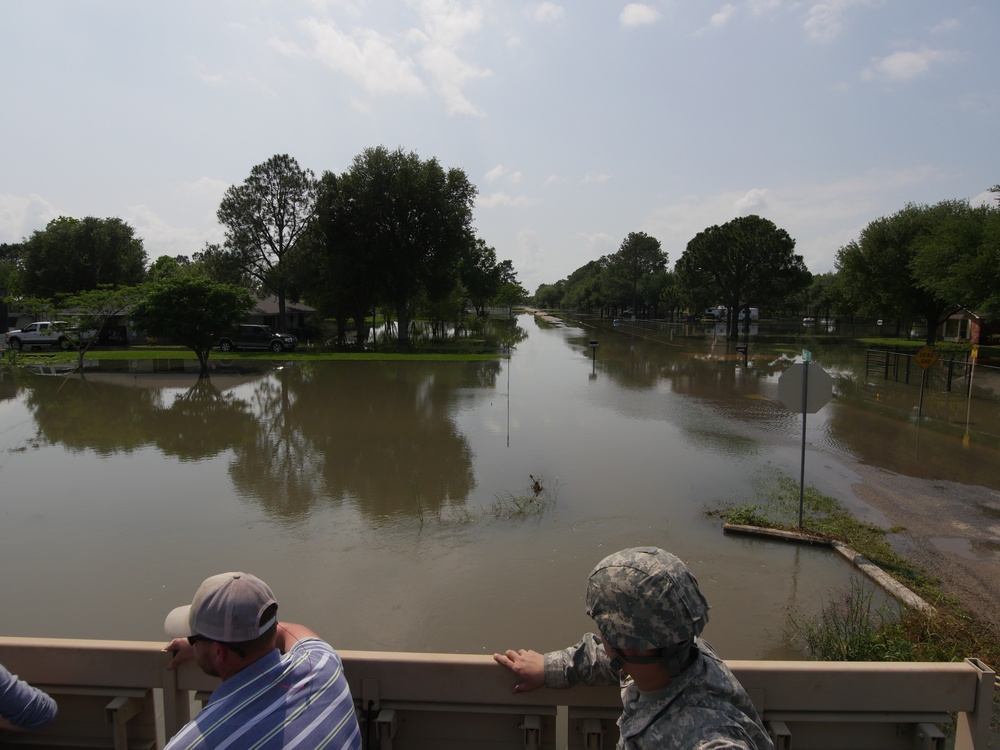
(46, 333)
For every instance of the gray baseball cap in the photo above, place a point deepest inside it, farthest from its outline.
(645, 598)
(226, 608)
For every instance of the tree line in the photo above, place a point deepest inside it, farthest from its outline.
(922, 263)
(392, 233)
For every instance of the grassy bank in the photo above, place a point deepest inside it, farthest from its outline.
(852, 628)
(305, 355)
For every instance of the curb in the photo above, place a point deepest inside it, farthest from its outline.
(878, 576)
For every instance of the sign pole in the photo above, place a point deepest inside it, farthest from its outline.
(968, 408)
(802, 467)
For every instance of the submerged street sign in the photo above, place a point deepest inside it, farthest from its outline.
(819, 388)
(926, 357)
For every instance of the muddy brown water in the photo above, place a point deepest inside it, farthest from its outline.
(443, 507)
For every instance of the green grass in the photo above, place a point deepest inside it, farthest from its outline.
(162, 352)
(849, 628)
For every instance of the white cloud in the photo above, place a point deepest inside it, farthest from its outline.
(500, 171)
(598, 244)
(824, 20)
(722, 16)
(20, 216)
(903, 65)
(590, 179)
(446, 24)
(545, 12)
(205, 190)
(820, 217)
(501, 199)
(366, 56)
(945, 26)
(638, 14)
(751, 202)
(758, 7)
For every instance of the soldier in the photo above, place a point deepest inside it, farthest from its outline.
(676, 693)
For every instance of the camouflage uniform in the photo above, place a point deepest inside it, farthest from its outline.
(643, 599)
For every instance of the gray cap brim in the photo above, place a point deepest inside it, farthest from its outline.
(178, 622)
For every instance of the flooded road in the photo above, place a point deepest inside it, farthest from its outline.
(416, 506)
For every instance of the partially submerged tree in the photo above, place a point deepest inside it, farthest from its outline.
(923, 262)
(93, 310)
(192, 311)
(745, 261)
(420, 219)
(265, 218)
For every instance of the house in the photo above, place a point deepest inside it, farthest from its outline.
(266, 313)
(965, 325)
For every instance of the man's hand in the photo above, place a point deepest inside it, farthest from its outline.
(527, 666)
(182, 651)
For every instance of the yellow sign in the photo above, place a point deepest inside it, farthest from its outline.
(926, 357)
(975, 351)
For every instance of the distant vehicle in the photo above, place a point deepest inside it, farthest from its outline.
(717, 313)
(252, 336)
(809, 321)
(46, 333)
(754, 314)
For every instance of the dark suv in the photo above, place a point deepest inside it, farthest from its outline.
(251, 336)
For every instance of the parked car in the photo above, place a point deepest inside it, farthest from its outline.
(252, 336)
(47, 333)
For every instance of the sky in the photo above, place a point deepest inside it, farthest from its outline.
(578, 122)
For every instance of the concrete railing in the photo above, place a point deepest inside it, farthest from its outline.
(119, 694)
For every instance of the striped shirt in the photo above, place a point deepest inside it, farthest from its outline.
(299, 700)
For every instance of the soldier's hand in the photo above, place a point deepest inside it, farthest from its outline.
(528, 666)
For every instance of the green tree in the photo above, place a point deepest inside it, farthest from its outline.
(420, 220)
(338, 269)
(585, 288)
(958, 260)
(265, 218)
(166, 265)
(481, 275)
(11, 265)
(745, 261)
(550, 295)
(74, 255)
(639, 257)
(881, 273)
(192, 311)
(94, 309)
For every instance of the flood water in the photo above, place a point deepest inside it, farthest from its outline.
(419, 506)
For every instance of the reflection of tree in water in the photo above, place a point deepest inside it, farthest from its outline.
(507, 333)
(639, 363)
(203, 422)
(278, 465)
(108, 417)
(377, 433)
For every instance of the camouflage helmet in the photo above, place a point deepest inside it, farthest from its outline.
(644, 598)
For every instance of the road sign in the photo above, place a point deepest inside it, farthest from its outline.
(819, 388)
(926, 357)
(975, 351)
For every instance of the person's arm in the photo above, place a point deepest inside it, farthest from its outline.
(21, 705)
(289, 634)
(585, 663)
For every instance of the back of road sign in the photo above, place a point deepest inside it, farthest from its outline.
(819, 389)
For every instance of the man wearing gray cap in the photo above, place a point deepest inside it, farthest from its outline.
(676, 693)
(281, 685)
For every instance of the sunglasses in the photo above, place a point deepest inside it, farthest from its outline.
(193, 639)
